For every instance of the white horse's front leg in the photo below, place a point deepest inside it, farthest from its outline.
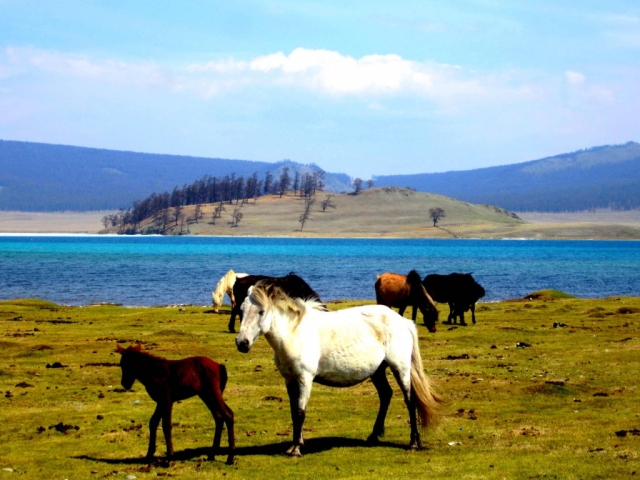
(299, 390)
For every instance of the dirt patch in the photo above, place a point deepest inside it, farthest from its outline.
(627, 310)
(546, 389)
(526, 431)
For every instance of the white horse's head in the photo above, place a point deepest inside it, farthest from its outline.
(256, 318)
(216, 300)
(224, 286)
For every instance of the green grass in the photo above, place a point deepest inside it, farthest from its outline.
(550, 410)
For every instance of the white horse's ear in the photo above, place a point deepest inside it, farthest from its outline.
(250, 290)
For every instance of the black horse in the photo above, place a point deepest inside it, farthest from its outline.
(459, 290)
(291, 284)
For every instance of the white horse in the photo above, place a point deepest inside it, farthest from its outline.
(225, 285)
(339, 349)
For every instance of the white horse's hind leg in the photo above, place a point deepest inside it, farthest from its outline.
(404, 381)
(385, 392)
(299, 390)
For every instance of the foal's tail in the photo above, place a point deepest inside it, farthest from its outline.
(223, 377)
(427, 401)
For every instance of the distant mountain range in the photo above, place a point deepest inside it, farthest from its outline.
(599, 177)
(45, 177)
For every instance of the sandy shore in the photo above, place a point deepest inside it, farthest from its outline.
(51, 222)
(601, 215)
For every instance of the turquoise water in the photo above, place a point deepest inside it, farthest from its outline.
(169, 270)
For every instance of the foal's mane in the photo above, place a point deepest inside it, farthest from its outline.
(142, 353)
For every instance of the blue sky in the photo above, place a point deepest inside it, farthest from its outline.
(360, 87)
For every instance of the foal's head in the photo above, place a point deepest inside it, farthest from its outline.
(129, 364)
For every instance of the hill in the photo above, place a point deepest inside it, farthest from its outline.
(378, 212)
(599, 177)
(44, 177)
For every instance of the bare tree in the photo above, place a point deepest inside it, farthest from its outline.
(306, 215)
(162, 219)
(177, 212)
(198, 213)
(236, 216)
(285, 181)
(436, 214)
(357, 186)
(217, 212)
(326, 203)
(369, 183)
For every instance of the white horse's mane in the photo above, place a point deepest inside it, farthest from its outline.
(270, 296)
(224, 286)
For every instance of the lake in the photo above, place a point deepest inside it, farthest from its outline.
(150, 270)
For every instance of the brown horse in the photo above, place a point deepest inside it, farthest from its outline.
(400, 291)
(168, 381)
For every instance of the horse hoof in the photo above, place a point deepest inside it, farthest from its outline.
(294, 451)
(373, 439)
(230, 461)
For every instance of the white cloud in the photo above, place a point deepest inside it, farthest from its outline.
(574, 78)
(375, 79)
(583, 93)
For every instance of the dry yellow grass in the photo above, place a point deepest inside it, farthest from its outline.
(380, 212)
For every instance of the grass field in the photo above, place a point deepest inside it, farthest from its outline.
(565, 406)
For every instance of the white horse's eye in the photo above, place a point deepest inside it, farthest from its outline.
(261, 312)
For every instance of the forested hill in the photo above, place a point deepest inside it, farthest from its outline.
(600, 177)
(45, 177)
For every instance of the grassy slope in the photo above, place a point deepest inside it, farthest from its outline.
(549, 410)
(388, 212)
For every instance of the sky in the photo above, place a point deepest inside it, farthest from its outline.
(359, 87)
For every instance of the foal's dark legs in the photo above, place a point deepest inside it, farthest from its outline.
(153, 430)
(222, 415)
(385, 392)
(166, 429)
(162, 412)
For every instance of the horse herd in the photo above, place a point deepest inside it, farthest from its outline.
(459, 290)
(311, 344)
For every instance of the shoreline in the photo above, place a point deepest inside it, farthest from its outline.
(600, 225)
(510, 239)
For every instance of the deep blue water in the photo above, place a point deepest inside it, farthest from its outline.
(169, 270)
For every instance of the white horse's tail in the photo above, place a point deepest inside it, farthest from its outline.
(428, 402)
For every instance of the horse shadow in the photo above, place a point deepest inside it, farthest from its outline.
(311, 446)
